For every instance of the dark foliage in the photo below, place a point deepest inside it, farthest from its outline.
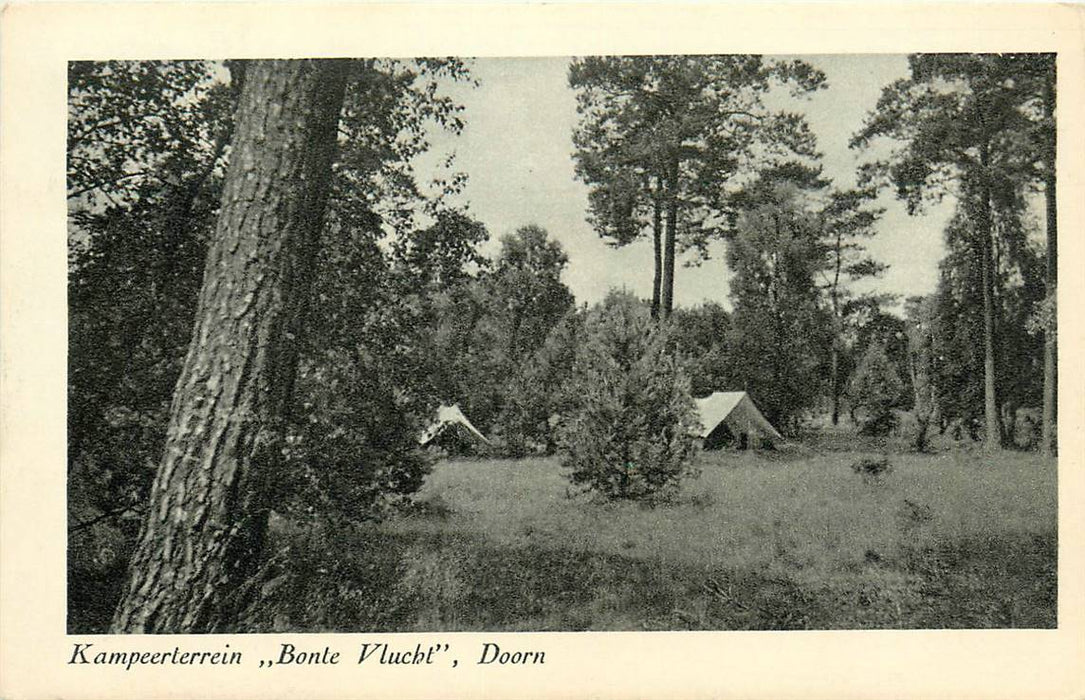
(147, 146)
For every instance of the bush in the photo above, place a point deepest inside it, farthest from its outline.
(350, 452)
(869, 466)
(875, 389)
(521, 424)
(540, 392)
(629, 433)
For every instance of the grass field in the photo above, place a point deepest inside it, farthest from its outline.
(756, 541)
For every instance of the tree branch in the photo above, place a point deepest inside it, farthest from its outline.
(103, 183)
(84, 524)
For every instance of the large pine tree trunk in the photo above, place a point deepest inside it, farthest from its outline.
(206, 517)
(1050, 409)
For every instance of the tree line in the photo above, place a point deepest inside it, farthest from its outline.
(685, 148)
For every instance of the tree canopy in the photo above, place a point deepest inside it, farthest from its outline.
(974, 127)
(660, 137)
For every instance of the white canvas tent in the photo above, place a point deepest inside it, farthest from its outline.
(733, 411)
(451, 417)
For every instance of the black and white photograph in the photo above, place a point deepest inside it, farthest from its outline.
(541, 350)
(603, 343)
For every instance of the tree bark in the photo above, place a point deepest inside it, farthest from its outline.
(657, 245)
(919, 369)
(667, 291)
(1050, 406)
(834, 380)
(992, 424)
(205, 524)
(838, 330)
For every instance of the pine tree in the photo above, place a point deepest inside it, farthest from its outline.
(660, 136)
(205, 524)
(875, 389)
(965, 124)
(629, 435)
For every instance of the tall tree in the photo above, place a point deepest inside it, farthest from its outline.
(1040, 71)
(205, 524)
(846, 220)
(484, 324)
(956, 324)
(147, 151)
(960, 123)
(529, 300)
(660, 137)
(780, 334)
(435, 304)
(960, 321)
(525, 299)
(1032, 78)
(528, 292)
(1051, 377)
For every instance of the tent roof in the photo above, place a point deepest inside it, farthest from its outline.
(732, 406)
(449, 415)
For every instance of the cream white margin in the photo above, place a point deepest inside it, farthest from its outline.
(35, 44)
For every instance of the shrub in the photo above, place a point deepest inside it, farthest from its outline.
(629, 433)
(875, 388)
(522, 419)
(540, 392)
(350, 452)
(869, 466)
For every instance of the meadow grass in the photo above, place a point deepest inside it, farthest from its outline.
(787, 540)
(754, 541)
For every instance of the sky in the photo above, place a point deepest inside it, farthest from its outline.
(516, 149)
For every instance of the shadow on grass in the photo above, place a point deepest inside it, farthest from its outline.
(988, 583)
(450, 582)
(368, 580)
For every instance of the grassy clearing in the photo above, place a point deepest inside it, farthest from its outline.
(755, 542)
(811, 519)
